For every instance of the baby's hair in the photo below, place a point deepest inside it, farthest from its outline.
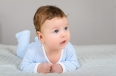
(47, 12)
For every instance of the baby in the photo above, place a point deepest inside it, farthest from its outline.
(51, 52)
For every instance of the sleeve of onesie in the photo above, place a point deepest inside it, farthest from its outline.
(29, 63)
(71, 62)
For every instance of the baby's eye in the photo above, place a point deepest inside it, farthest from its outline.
(56, 31)
(66, 28)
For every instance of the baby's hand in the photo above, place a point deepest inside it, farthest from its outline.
(56, 68)
(44, 68)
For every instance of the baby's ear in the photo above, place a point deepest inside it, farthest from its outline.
(40, 36)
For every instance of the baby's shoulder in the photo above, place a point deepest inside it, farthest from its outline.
(69, 49)
(35, 46)
(69, 46)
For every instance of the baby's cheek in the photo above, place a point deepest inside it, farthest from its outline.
(54, 42)
(68, 36)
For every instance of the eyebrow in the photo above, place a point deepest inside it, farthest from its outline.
(58, 27)
(55, 27)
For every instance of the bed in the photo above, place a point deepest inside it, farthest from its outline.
(95, 60)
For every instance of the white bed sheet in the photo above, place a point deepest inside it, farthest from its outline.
(95, 60)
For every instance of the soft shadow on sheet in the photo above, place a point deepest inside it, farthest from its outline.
(0, 34)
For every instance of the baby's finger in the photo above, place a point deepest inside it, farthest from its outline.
(53, 71)
(49, 65)
(48, 71)
(48, 68)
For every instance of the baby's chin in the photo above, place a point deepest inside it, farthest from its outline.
(60, 47)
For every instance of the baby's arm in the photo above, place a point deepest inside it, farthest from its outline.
(29, 64)
(71, 62)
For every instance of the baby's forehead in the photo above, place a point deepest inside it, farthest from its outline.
(55, 22)
(58, 21)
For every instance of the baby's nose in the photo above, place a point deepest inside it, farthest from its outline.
(63, 34)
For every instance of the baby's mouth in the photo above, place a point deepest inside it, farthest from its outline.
(63, 42)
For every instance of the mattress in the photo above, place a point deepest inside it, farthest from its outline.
(94, 60)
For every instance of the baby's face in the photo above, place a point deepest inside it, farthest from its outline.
(56, 33)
